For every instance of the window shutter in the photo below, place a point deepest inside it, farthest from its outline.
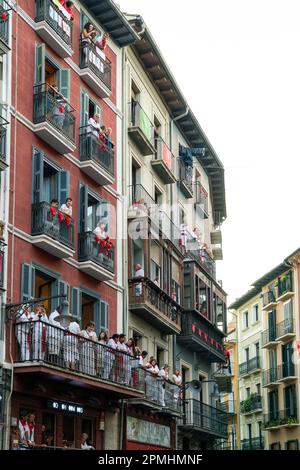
(103, 315)
(104, 215)
(288, 310)
(76, 304)
(27, 282)
(97, 318)
(37, 176)
(39, 64)
(98, 111)
(84, 108)
(63, 186)
(83, 203)
(64, 83)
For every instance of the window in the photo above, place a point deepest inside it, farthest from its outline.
(157, 132)
(248, 392)
(290, 401)
(49, 181)
(275, 446)
(273, 405)
(256, 346)
(160, 355)
(88, 108)
(49, 421)
(249, 431)
(155, 271)
(246, 319)
(258, 389)
(255, 313)
(247, 355)
(68, 431)
(292, 445)
(202, 297)
(288, 312)
(87, 306)
(48, 72)
(93, 210)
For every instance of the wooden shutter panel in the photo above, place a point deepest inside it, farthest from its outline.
(103, 315)
(97, 318)
(83, 203)
(84, 108)
(76, 304)
(37, 176)
(27, 282)
(39, 64)
(64, 83)
(63, 186)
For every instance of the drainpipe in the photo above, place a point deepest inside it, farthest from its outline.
(124, 196)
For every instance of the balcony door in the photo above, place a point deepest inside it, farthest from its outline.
(287, 359)
(290, 400)
(272, 325)
(273, 405)
(273, 364)
(88, 108)
(46, 71)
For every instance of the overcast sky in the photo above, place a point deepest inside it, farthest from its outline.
(238, 64)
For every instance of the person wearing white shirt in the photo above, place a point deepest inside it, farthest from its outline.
(110, 356)
(177, 379)
(24, 429)
(23, 332)
(163, 375)
(87, 353)
(55, 335)
(39, 334)
(70, 344)
(139, 272)
(67, 207)
(84, 445)
(94, 125)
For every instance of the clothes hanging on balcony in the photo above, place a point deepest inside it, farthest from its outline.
(186, 154)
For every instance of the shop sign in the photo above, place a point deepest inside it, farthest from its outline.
(65, 406)
(148, 432)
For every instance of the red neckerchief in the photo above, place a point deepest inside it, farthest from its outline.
(31, 428)
(23, 422)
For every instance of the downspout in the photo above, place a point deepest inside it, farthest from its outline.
(124, 198)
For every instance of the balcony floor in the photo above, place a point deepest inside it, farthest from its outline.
(270, 306)
(196, 345)
(155, 407)
(96, 172)
(163, 171)
(50, 37)
(95, 83)
(54, 138)
(185, 189)
(95, 270)
(286, 296)
(153, 316)
(54, 247)
(141, 141)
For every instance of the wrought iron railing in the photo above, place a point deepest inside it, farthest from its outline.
(3, 130)
(39, 341)
(255, 443)
(269, 297)
(53, 223)
(285, 284)
(269, 335)
(186, 175)
(91, 58)
(285, 327)
(284, 417)
(164, 154)
(2, 254)
(201, 198)
(249, 366)
(285, 370)
(143, 291)
(92, 148)
(270, 376)
(50, 106)
(4, 22)
(89, 249)
(202, 257)
(252, 403)
(57, 18)
(204, 417)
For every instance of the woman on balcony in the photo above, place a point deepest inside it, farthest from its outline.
(151, 380)
(23, 332)
(39, 335)
(87, 350)
(102, 341)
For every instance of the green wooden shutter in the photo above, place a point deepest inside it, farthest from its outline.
(54, 292)
(83, 205)
(98, 111)
(27, 282)
(63, 186)
(37, 176)
(84, 108)
(64, 83)
(103, 315)
(39, 64)
(76, 309)
(97, 318)
(104, 214)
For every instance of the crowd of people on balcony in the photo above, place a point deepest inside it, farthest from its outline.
(66, 345)
(93, 46)
(102, 133)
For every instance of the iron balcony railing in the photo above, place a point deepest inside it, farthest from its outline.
(285, 370)
(286, 417)
(38, 341)
(164, 154)
(141, 204)
(204, 417)
(285, 284)
(186, 175)
(4, 22)
(57, 18)
(269, 335)
(143, 291)
(270, 376)
(139, 119)
(92, 148)
(170, 231)
(248, 366)
(269, 297)
(50, 106)
(228, 406)
(3, 130)
(54, 224)
(2, 254)
(89, 249)
(252, 403)
(202, 198)
(201, 256)
(285, 327)
(91, 58)
(255, 443)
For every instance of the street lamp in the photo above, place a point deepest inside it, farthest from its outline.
(65, 317)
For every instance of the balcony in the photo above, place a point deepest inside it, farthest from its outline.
(229, 407)
(3, 138)
(54, 118)
(141, 204)
(287, 372)
(47, 350)
(170, 231)
(269, 338)
(149, 301)
(2, 255)
(164, 162)
(199, 335)
(163, 397)
(270, 378)
(281, 419)
(203, 258)
(256, 443)
(269, 299)
(52, 232)
(252, 404)
(96, 157)
(185, 180)
(95, 260)
(54, 26)
(95, 69)
(251, 366)
(285, 330)
(204, 418)
(141, 129)
(202, 200)
(4, 27)
(285, 288)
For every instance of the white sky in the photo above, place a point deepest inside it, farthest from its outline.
(238, 65)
